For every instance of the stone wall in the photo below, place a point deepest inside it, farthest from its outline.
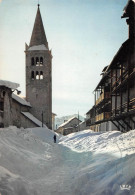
(18, 119)
(39, 91)
(5, 97)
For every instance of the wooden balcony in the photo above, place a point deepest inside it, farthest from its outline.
(90, 121)
(100, 117)
(103, 116)
(122, 80)
(100, 99)
(124, 108)
(107, 115)
(103, 96)
(132, 104)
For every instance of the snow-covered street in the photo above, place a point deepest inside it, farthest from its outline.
(83, 163)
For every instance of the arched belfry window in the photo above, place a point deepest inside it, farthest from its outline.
(41, 75)
(32, 75)
(41, 61)
(32, 62)
(37, 61)
(37, 75)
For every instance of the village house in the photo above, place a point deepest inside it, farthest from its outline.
(69, 126)
(13, 109)
(115, 94)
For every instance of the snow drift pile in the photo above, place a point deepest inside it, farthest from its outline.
(83, 163)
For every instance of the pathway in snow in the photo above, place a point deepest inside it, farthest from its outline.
(31, 164)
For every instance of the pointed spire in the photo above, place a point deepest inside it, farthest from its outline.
(38, 35)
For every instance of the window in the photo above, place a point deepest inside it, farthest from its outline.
(1, 106)
(32, 62)
(4, 93)
(37, 61)
(37, 75)
(41, 61)
(32, 75)
(41, 75)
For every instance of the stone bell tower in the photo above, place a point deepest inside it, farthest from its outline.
(39, 73)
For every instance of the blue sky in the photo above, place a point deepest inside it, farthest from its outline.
(84, 35)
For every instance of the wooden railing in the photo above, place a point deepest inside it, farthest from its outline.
(100, 117)
(103, 116)
(100, 99)
(107, 115)
(90, 121)
(103, 96)
(122, 78)
(132, 104)
(124, 108)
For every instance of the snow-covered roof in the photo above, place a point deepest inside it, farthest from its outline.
(33, 119)
(37, 47)
(9, 84)
(54, 114)
(20, 100)
(82, 122)
(62, 125)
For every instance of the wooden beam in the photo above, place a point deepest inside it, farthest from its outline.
(116, 93)
(121, 89)
(111, 89)
(127, 124)
(128, 92)
(120, 124)
(116, 125)
(132, 120)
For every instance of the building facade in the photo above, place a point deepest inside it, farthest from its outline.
(115, 94)
(69, 126)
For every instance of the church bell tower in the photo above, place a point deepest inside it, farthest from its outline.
(39, 73)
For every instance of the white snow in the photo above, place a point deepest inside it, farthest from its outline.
(34, 119)
(108, 142)
(37, 47)
(9, 84)
(83, 163)
(20, 100)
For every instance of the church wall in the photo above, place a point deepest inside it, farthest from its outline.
(39, 92)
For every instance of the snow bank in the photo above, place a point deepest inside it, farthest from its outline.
(9, 84)
(32, 164)
(25, 160)
(113, 142)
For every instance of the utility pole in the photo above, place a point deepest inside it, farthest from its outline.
(78, 122)
(42, 119)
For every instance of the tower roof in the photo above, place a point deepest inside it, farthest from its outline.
(38, 36)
